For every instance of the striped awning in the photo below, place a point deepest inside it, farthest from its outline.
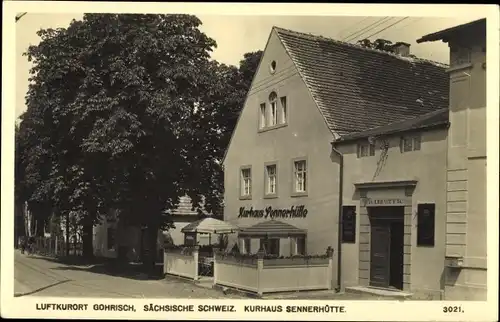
(272, 228)
(210, 225)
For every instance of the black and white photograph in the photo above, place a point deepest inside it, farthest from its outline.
(178, 157)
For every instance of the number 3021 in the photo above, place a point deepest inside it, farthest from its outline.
(452, 309)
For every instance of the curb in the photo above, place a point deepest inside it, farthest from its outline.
(231, 290)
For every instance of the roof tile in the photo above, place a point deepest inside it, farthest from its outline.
(357, 88)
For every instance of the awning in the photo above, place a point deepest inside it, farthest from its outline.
(210, 225)
(272, 228)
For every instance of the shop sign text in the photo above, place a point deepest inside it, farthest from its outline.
(269, 212)
(395, 201)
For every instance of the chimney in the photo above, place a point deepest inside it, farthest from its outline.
(401, 48)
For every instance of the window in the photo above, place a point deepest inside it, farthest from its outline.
(300, 176)
(460, 56)
(273, 109)
(270, 246)
(410, 143)
(262, 122)
(416, 143)
(425, 224)
(272, 67)
(271, 179)
(111, 238)
(245, 245)
(300, 246)
(283, 110)
(273, 115)
(189, 239)
(246, 182)
(366, 149)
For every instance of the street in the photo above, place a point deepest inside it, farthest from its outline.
(37, 276)
(40, 276)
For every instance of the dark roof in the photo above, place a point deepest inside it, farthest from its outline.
(184, 208)
(357, 88)
(272, 228)
(429, 120)
(444, 34)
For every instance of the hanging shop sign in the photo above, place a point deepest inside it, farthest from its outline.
(270, 212)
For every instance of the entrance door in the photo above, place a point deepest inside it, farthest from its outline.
(380, 255)
(397, 241)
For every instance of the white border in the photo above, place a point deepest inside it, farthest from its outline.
(355, 310)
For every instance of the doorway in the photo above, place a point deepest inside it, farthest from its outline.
(386, 246)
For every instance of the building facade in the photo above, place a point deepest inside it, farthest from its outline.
(394, 206)
(113, 239)
(466, 240)
(283, 181)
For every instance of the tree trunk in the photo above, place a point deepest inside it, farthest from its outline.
(67, 234)
(75, 240)
(150, 258)
(87, 241)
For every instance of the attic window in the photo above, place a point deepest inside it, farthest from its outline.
(272, 67)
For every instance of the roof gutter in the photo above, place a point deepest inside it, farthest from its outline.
(339, 233)
(433, 126)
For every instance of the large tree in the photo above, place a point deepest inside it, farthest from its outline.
(127, 112)
(119, 93)
(214, 121)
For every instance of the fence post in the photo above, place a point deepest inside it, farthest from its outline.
(55, 246)
(196, 263)
(329, 253)
(164, 261)
(216, 252)
(260, 268)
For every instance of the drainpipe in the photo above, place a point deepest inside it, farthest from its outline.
(339, 233)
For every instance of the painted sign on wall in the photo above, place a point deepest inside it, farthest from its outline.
(269, 212)
(383, 202)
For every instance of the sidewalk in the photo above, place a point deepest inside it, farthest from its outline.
(107, 266)
(21, 289)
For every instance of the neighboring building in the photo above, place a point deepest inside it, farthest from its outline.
(466, 240)
(112, 236)
(394, 205)
(282, 180)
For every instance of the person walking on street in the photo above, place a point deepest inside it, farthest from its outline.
(23, 244)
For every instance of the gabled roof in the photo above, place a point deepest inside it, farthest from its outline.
(357, 88)
(426, 121)
(444, 34)
(272, 228)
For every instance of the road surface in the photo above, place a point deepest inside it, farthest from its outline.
(37, 276)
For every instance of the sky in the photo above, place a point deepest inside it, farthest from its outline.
(250, 33)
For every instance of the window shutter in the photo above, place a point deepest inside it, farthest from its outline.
(348, 224)
(425, 224)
